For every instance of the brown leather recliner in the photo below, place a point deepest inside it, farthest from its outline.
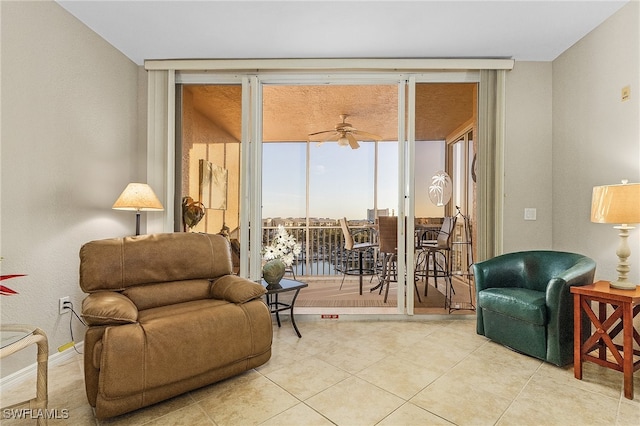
(165, 317)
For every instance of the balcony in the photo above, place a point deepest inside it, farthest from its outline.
(323, 251)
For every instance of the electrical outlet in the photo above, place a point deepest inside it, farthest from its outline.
(529, 213)
(62, 309)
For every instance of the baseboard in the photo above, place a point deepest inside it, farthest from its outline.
(30, 371)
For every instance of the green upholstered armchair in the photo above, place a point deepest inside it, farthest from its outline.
(524, 301)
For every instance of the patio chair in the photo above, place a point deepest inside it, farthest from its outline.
(359, 249)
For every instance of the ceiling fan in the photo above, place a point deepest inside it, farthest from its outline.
(345, 134)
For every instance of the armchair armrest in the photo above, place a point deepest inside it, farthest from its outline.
(578, 275)
(559, 301)
(235, 289)
(108, 308)
(501, 271)
(581, 273)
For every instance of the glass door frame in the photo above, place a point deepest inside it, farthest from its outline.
(251, 150)
(397, 79)
(247, 197)
(469, 76)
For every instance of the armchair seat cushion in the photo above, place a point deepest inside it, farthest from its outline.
(519, 303)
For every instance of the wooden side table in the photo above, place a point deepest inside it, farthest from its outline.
(276, 306)
(16, 337)
(626, 305)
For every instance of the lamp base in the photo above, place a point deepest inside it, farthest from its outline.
(623, 285)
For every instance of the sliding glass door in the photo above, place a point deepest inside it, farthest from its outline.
(329, 151)
(255, 141)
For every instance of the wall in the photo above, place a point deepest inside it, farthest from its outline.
(596, 136)
(527, 157)
(70, 143)
(202, 139)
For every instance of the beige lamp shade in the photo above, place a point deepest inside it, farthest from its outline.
(616, 204)
(619, 204)
(138, 197)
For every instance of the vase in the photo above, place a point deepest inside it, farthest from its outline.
(273, 271)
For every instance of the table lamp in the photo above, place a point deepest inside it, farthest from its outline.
(618, 204)
(138, 197)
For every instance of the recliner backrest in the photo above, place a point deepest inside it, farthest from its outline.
(119, 263)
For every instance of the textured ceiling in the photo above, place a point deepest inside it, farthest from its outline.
(525, 30)
(290, 113)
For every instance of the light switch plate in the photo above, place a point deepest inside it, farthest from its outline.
(529, 213)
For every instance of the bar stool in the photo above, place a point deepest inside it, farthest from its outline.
(388, 243)
(351, 247)
(438, 252)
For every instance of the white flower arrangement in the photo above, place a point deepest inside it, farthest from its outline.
(283, 247)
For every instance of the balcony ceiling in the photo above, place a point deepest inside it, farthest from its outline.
(292, 112)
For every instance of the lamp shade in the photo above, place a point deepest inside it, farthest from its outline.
(616, 203)
(139, 197)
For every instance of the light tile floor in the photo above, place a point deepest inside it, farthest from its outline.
(357, 372)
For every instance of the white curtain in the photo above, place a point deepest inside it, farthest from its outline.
(160, 147)
(490, 164)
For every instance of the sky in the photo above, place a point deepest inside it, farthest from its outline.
(340, 179)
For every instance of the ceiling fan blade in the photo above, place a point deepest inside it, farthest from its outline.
(367, 135)
(319, 133)
(353, 143)
(333, 135)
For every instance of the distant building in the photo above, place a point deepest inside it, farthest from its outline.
(371, 214)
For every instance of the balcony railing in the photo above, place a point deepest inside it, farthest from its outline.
(323, 253)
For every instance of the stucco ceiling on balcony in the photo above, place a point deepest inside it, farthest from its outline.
(290, 113)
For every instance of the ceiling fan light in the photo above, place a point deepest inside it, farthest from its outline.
(343, 141)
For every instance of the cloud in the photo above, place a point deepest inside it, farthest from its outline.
(319, 169)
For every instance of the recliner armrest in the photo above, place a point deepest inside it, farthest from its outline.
(108, 308)
(235, 289)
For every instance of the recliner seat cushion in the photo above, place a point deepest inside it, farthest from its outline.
(173, 343)
(520, 303)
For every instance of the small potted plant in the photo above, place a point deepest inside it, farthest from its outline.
(279, 255)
